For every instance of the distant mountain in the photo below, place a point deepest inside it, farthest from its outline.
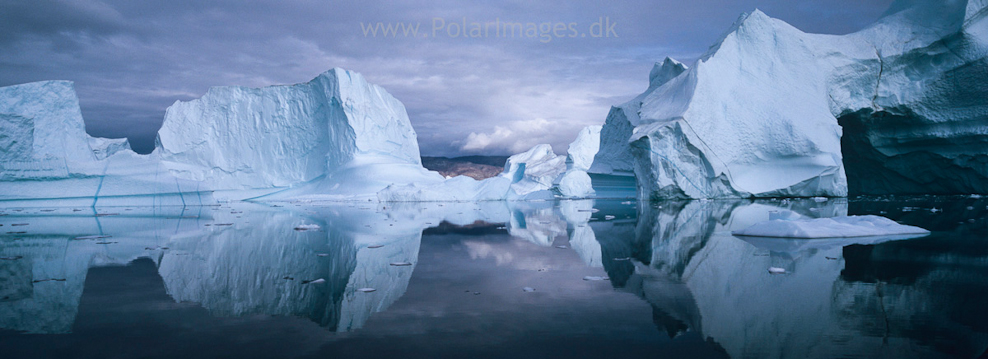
(476, 167)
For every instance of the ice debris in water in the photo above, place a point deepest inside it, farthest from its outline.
(776, 270)
(307, 227)
(317, 281)
(401, 264)
(366, 290)
(594, 278)
(528, 289)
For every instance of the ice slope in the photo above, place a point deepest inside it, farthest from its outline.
(763, 111)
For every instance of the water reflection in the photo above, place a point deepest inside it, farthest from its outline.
(838, 298)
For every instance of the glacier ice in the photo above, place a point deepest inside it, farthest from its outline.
(763, 112)
(334, 137)
(575, 182)
(278, 136)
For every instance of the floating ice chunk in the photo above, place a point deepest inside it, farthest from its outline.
(401, 264)
(594, 278)
(317, 281)
(308, 227)
(528, 289)
(92, 237)
(776, 270)
(366, 290)
(836, 227)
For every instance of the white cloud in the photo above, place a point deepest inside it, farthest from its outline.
(519, 136)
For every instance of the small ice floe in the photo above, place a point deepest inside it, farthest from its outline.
(819, 199)
(49, 280)
(970, 208)
(372, 246)
(14, 258)
(623, 259)
(366, 290)
(594, 210)
(608, 217)
(562, 246)
(627, 202)
(907, 209)
(400, 264)
(594, 278)
(935, 210)
(528, 289)
(476, 293)
(776, 270)
(308, 227)
(155, 248)
(834, 227)
(317, 281)
(93, 237)
(322, 254)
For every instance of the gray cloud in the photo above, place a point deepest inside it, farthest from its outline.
(132, 59)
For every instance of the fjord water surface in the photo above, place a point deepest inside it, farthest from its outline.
(490, 279)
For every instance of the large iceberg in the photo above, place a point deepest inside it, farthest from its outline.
(763, 112)
(334, 137)
(352, 136)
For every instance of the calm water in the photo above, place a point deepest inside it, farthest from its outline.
(489, 280)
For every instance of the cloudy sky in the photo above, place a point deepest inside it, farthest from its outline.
(465, 94)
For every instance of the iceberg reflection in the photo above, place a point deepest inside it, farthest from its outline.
(867, 297)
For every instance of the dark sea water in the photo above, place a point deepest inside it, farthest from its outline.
(567, 279)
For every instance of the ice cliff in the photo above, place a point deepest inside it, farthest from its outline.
(769, 110)
(335, 126)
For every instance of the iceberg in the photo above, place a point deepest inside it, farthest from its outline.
(335, 137)
(835, 227)
(337, 134)
(527, 176)
(772, 111)
(575, 182)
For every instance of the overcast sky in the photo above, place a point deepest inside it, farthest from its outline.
(491, 94)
